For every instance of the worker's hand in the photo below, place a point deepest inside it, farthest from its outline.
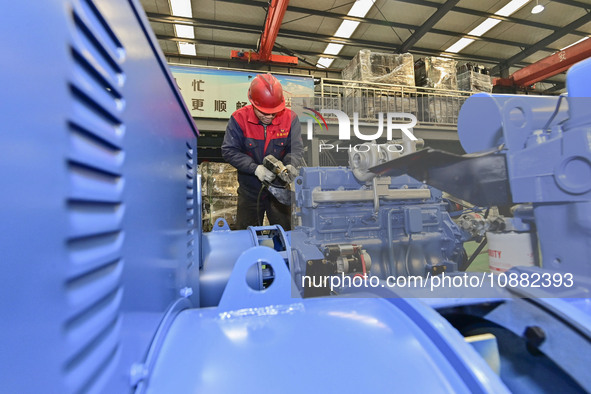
(292, 173)
(264, 174)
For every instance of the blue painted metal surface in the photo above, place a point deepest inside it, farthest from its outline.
(565, 333)
(101, 244)
(98, 196)
(406, 236)
(548, 155)
(221, 249)
(484, 122)
(266, 341)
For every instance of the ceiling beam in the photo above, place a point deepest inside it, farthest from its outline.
(552, 65)
(204, 23)
(390, 48)
(557, 86)
(277, 48)
(208, 23)
(574, 3)
(171, 58)
(540, 44)
(425, 3)
(483, 14)
(406, 26)
(326, 14)
(427, 25)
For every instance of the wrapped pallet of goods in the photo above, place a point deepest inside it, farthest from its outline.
(219, 186)
(392, 71)
(436, 106)
(474, 78)
(436, 73)
(368, 66)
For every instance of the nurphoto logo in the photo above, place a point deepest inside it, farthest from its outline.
(344, 123)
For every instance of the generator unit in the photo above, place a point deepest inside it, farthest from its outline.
(352, 222)
(108, 284)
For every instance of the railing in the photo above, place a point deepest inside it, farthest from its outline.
(327, 159)
(432, 107)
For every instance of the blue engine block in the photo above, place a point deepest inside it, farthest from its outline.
(410, 232)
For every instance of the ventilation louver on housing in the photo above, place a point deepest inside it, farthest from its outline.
(191, 198)
(95, 201)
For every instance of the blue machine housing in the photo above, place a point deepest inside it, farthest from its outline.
(109, 286)
(267, 341)
(410, 232)
(222, 247)
(100, 202)
(545, 142)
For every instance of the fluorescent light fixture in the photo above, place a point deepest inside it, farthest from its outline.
(574, 43)
(346, 29)
(184, 31)
(360, 8)
(484, 27)
(187, 48)
(537, 9)
(333, 49)
(459, 45)
(488, 24)
(324, 62)
(510, 8)
(181, 8)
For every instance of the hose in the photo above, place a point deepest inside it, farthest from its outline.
(476, 252)
(547, 125)
(363, 264)
(259, 205)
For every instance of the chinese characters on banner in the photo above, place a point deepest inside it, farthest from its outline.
(215, 93)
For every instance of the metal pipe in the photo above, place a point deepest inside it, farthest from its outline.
(368, 195)
(390, 240)
(376, 197)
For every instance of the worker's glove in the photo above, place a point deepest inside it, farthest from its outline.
(292, 173)
(264, 174)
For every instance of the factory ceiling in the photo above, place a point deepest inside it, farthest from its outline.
(503, 35)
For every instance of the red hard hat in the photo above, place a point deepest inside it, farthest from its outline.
(265, 94)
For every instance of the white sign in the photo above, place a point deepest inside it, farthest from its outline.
(217, 93)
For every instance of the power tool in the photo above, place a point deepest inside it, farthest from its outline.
(281, 190)
(276, 166)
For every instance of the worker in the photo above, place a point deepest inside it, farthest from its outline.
(265, 127)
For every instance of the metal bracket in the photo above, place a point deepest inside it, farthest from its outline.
(239, 295)
(220, 225)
